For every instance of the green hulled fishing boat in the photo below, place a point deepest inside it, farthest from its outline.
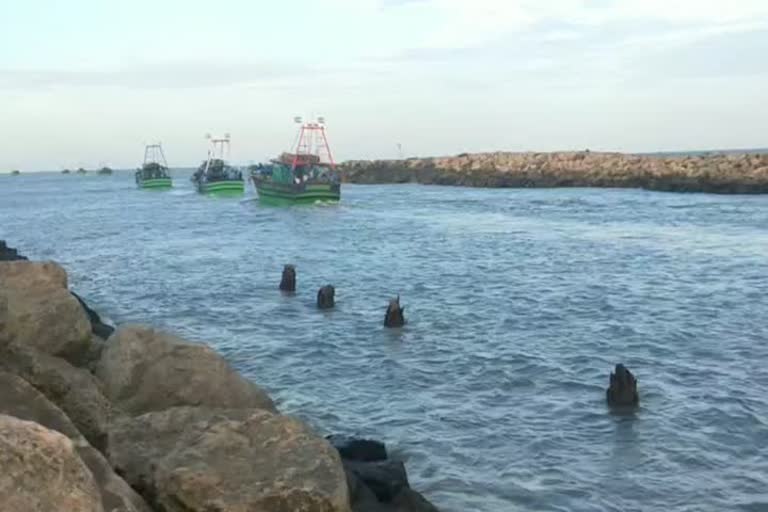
(104, 171)
(306, 176)
(215, 176)
(15, 172)
(154, 174)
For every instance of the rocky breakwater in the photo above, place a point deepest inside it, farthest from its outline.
(714, 173)
(146, 421)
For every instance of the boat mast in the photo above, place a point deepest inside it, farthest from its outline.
(219, 150)
(154, 153)
(312, 140)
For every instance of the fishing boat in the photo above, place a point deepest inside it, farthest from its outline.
(306, 176)
(154, 171)
(81, 171)
(105, 171)
(65, 171)
(15, 172)
(215, 175)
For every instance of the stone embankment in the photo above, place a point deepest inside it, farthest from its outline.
(145, 421)
(714, 173)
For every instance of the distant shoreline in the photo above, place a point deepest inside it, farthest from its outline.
(655, 154)
(719, 173)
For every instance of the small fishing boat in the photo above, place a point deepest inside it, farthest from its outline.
(215, 175)
(306, 176)
(154, 172)
(105, 171)
(15, 172)
(66, 171)
(81, 171)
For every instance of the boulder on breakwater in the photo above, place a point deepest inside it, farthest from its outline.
(714, 173)
(160, 424)
(42, 471)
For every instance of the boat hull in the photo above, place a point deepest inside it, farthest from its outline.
(283, 193)
(156, 183)
(226, 187)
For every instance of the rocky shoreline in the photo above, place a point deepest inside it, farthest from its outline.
(133, 419)
(712, 173)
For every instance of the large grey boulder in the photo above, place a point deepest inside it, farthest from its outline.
(193, 459)
(145, 370)
(76, 391)
(20, 400)
(37, 310)
(41, 471)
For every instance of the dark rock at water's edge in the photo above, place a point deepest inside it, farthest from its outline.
(385, 478)
(713, 173)
(326, 297)
(9, 253)
(359, 450)
(288, 280)
(98, 327)
(377, 483)
(394, 315)
(622, 391)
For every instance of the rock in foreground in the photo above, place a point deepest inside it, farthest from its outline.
(145, 370)
(22, 401)
(41, 471)
(37, 310)
(75, 391)
(193, 459)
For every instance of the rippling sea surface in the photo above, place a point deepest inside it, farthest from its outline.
(519, 303)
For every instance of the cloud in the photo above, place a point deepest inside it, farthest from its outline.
(184, 74)
(461, 23)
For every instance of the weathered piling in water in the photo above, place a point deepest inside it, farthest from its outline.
(394, 315)
(326, 297)
(622, 391)
(288, 281)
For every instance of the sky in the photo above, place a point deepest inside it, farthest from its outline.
(89, 82)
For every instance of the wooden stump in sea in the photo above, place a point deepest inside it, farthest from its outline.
(394, 315)
(288, 281)
(326, 297)
(622, 391)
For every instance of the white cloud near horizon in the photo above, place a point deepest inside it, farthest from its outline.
(439, 76)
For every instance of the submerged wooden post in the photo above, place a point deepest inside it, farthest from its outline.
(622, 391)
(288, 281)
(326, 297)
(394, 316)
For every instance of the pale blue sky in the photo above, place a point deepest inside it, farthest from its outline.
(87, 82)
